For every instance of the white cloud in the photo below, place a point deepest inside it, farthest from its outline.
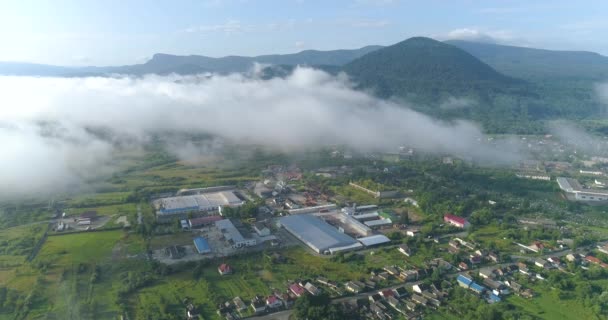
(299, 44)
(48, 124)
(474, 34)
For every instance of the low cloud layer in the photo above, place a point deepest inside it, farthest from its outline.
(49, 126)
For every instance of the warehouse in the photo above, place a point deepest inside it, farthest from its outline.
(233, 235)
(374, 240)
(317, 234)
(203, 221)
(180, 206)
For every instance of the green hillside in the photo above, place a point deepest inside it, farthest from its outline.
(429, 73)
(537, 64)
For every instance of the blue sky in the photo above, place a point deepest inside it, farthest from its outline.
(113, 32)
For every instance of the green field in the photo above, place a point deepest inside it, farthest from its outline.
(87, 247)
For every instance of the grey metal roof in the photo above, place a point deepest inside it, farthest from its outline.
(315, 232)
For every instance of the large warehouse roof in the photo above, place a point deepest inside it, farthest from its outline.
(199, 202)
(315, 232)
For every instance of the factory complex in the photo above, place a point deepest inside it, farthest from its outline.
(576, 192)
(330, 233)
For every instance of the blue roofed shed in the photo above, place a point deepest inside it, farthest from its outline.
(494, 298)
(202, 246)
(463, 281)
(477, 288)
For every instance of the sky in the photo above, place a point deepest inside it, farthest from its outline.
(117, 32)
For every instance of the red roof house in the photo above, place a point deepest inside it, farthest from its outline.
(297, 289)
(224, 269)
(456, 221)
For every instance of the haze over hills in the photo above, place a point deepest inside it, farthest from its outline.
(165, 63)
(505, 88)
(538, 64)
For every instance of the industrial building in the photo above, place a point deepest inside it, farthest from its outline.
(575, 191)
(180, 206)
(233, 235)
(318, 234)
(203, 221)
(374, 240)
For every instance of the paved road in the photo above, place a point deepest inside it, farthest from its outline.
(282, 315)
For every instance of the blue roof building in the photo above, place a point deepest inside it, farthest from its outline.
(464, 281)
(477, 288)
(202, 246)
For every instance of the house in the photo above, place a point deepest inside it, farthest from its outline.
(515, 286)
(555, 260)
(393, 302)
(375, 297)
(456, 221)
(224, 269)
(391, 270)
(405, 250)
(419, 299)
(258, 305)
(572, 258)
(384, 275)
(431, 298)
(410, 306)
(297, 289)
(387, 293)
(412, 232)
(312, 289)
(354, 287)
(486, 273)
(481, 252)
(475, 259)
(541, 263)
(261, 229)
(239, 304)
(400, 292)
(409, 275)
(494, 285)
(273, 302)
(454, 244)
(603, 248)
(463, 266)
(419, 287)
(494, 257)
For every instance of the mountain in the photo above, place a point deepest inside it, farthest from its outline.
(166, 63)
(448, 82)
(426, 70)
(538, 64)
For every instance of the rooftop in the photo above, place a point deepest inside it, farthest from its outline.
(315, 232)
